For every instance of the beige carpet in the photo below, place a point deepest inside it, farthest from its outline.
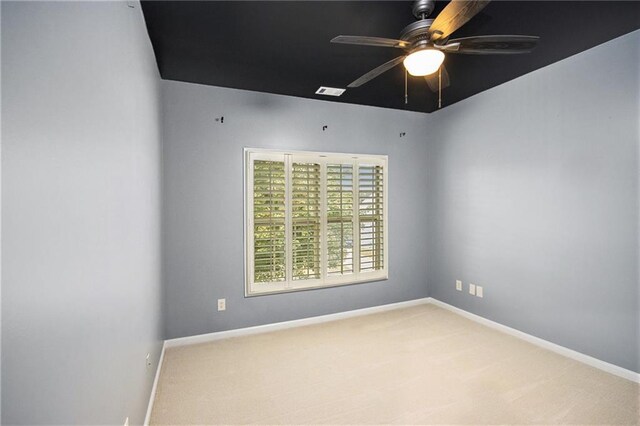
(420, 365)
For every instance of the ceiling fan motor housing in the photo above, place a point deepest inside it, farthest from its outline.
(417, 33)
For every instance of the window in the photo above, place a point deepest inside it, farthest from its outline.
(314, 220)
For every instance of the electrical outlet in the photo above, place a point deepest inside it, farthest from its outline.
(148, 360)
(222, 304)
(126, 421)
(458, 285)
(479, 292)
(472, 289)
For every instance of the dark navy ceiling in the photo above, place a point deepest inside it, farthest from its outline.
(283, 47)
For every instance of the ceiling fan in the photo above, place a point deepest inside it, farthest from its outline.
(426, 41)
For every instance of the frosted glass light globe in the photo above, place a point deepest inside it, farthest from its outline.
(423, 62)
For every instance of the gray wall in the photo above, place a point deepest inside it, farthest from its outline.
(81, 213)
(203, 201)
(533, 194)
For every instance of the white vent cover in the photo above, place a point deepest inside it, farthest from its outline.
(329, 91)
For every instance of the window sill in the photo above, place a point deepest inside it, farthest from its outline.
(369, 279)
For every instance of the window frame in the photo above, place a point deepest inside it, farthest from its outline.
(325, 281)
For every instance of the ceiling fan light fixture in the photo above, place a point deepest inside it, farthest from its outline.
(423, 62)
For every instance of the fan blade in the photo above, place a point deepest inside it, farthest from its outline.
(454, 15)
(432, 79)
(377, 71)
(492, 45)
(370, 41)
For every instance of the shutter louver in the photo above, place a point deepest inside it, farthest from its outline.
(305, 209)
(370, 215)
(269, 221)
(339, 219)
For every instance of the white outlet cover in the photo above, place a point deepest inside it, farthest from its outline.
(222, 304)
(472, 289)
(458, 285)
(479, 291)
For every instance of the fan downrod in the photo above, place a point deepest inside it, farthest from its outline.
(423, 8)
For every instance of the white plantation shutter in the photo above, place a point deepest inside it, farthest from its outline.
(370, 217)
(269, 221)
(305, 209)
(314, 220)
(340, 219)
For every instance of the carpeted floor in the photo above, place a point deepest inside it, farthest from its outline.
(419, 365)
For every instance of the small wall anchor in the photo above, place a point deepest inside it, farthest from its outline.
(220, 119)
(324, 128)
(403, 134)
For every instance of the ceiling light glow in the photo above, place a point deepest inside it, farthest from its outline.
(423, 62)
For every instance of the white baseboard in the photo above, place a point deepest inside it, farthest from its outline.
(154, 388)
(569, 353)
(210, 337)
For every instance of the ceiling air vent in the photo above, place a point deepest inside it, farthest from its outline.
(329, 91)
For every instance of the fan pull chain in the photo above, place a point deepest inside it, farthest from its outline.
(440, 87)
(406, 95)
